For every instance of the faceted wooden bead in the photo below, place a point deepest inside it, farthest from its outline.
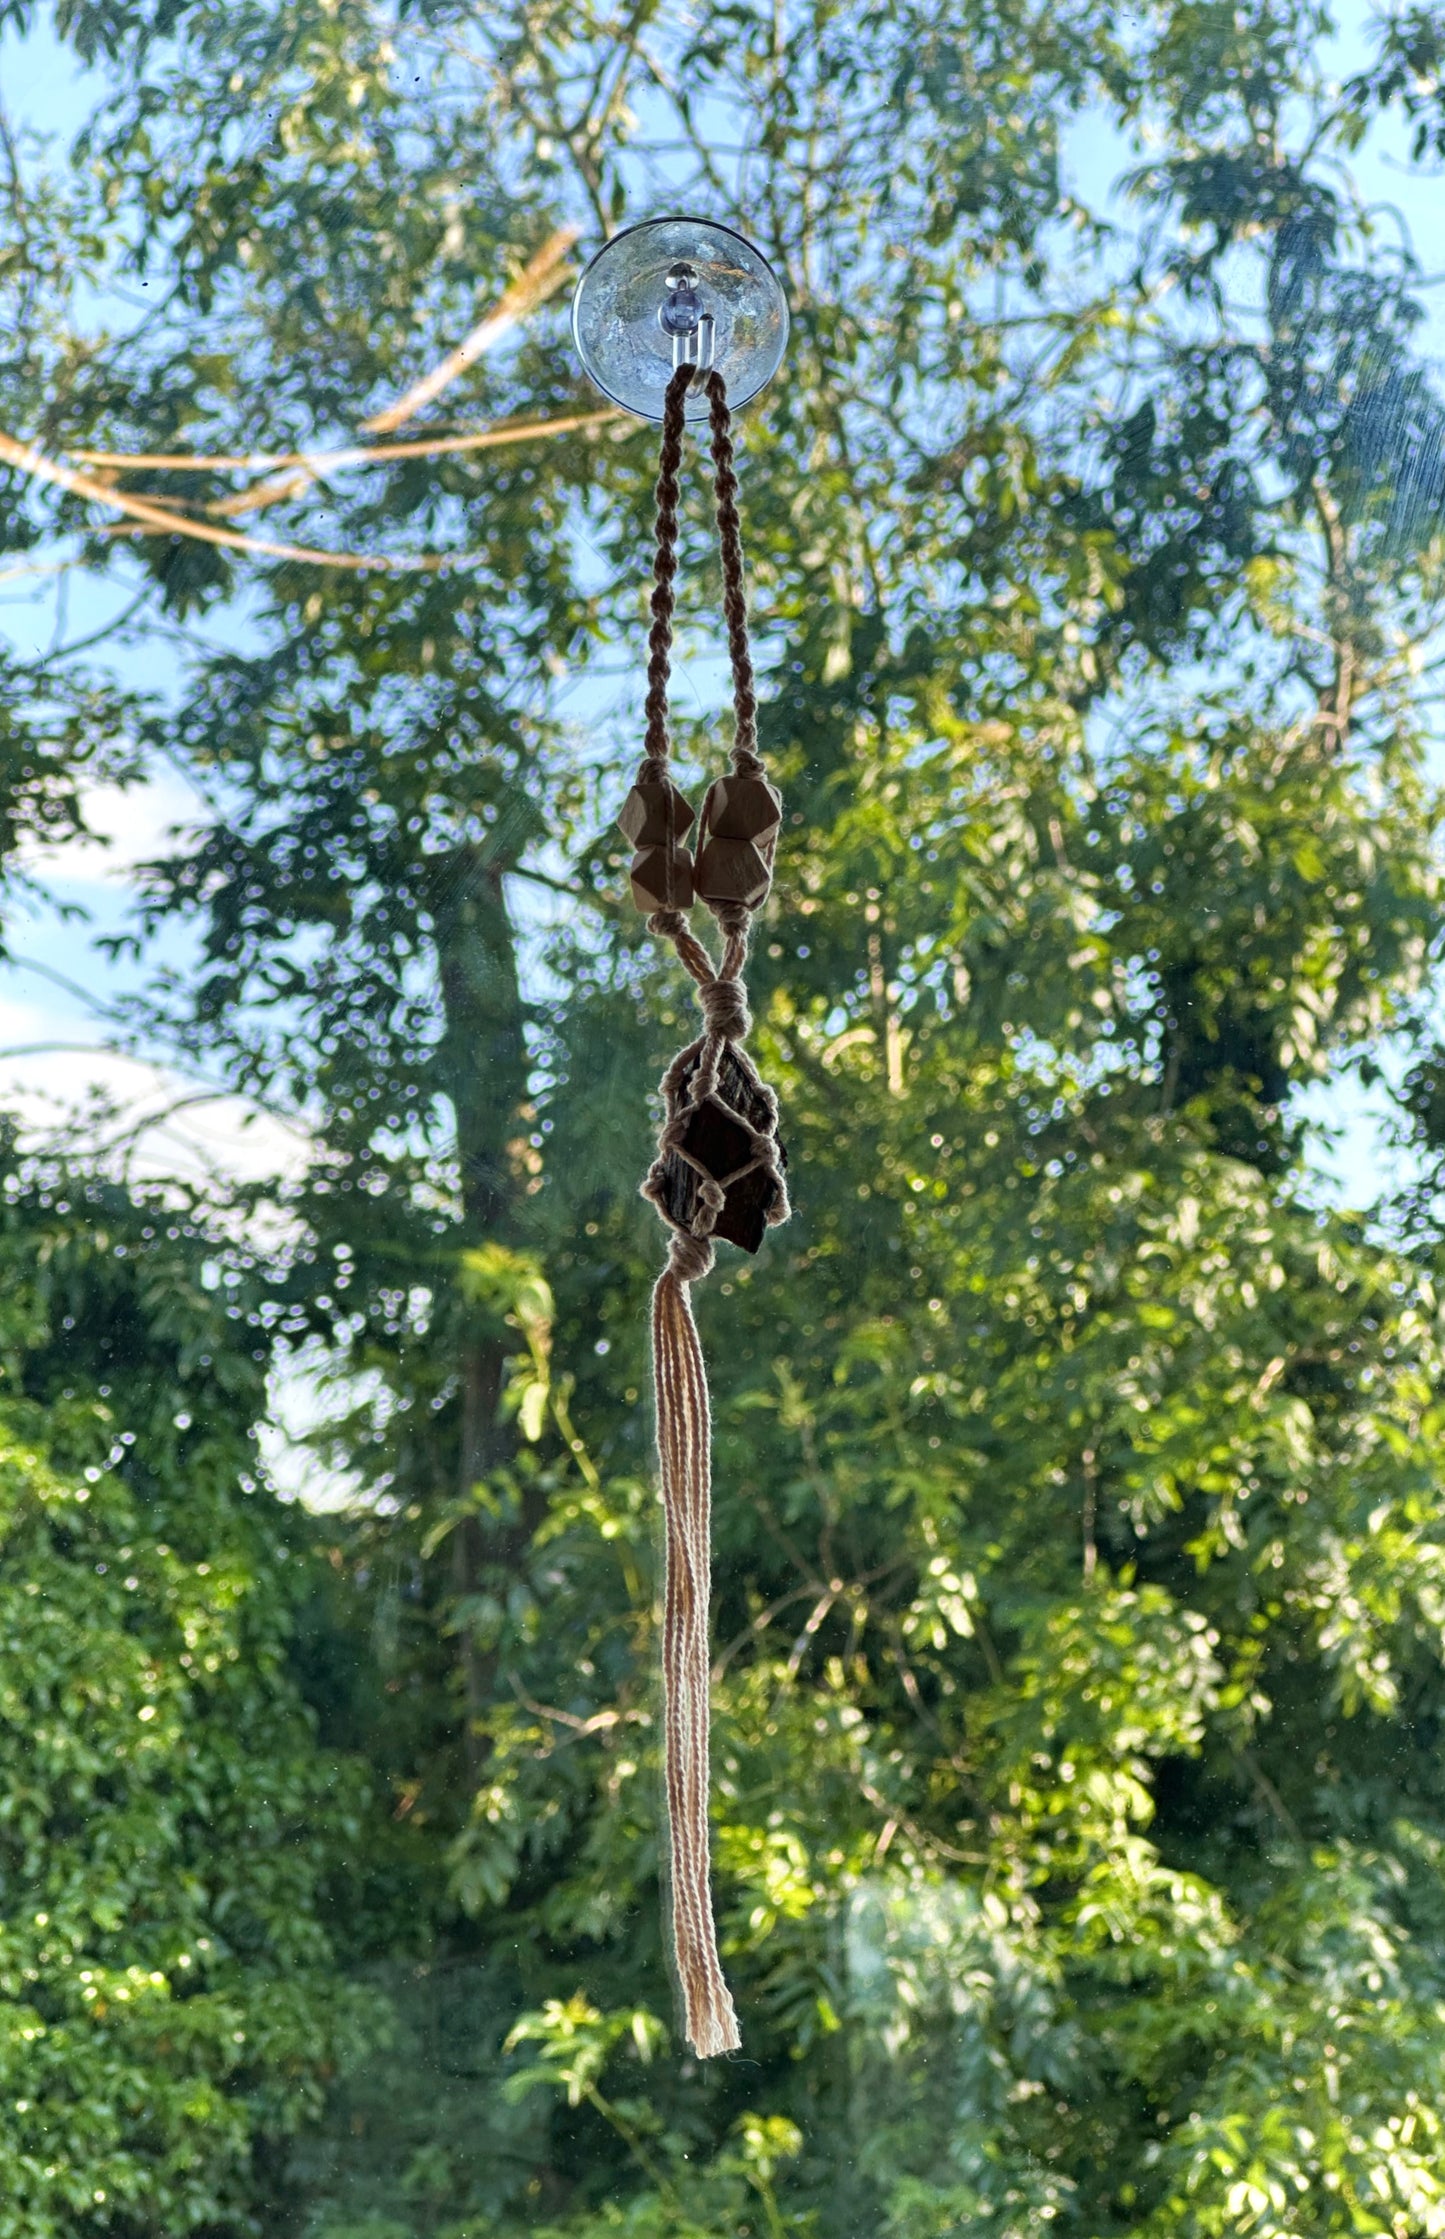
(662, 879)
(732, 871)
(743, 808)
(654, 815)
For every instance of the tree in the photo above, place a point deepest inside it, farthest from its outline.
(1079, 1607)
(170, 2003)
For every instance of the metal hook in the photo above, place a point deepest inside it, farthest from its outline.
(693, 330)
(696, 348)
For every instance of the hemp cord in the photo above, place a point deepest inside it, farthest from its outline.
(684, 1429)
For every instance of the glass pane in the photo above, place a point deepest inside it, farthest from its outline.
(1001, 810)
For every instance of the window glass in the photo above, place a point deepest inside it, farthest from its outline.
(1077, 1824)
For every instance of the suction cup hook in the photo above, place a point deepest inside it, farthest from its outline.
(678, 291)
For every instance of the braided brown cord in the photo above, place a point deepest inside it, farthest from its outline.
(657, 745)
(679, 1372)
(735, 597)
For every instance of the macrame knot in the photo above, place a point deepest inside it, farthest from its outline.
(690, 1258)
(724, 1006)
(734, 919)
(667, 925)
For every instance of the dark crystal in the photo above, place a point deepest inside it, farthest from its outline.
(720, 1145)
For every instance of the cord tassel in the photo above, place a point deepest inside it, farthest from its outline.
(684, 1440)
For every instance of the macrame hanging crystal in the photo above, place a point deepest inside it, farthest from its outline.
(673, 320)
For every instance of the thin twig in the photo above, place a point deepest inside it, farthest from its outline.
(601, 1721)
(542, 277)
(152, 520)
(917, 1834)
(355, 454)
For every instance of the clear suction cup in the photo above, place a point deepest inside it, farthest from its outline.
(679, 291)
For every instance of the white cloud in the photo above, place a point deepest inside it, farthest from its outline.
(305, 1392)
(54, 1073)
(131, 825)
(54, 1066)
(140, 1116)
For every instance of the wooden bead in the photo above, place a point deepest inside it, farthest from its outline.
(732, 871)
(654, 815)
(662, 879)
(743, 808)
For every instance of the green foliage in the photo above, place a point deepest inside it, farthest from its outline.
(170, 2009)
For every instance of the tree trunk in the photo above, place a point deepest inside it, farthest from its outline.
(483, 1066)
